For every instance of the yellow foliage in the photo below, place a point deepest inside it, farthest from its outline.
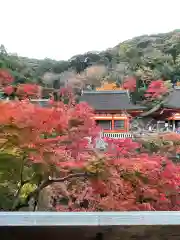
(108, 86)
(26, 189)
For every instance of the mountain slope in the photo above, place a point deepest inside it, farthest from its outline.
(147, 57)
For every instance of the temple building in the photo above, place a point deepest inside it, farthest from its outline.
(113, 111)
(172, 109)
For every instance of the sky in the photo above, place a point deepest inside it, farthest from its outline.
(60, 29)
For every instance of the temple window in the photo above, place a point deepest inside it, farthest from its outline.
(119, 124)
(105, 124)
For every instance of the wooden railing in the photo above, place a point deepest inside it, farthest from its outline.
(90, 225)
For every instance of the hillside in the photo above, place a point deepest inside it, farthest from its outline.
(148, 57)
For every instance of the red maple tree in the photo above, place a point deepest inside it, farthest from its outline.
(50, 147)
(54, 139)
(28, 91)
(23, 91)
(156, 89)
(5, 77)
(128, 181)
(130, 84)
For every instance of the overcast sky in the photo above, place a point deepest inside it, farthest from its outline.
(59, 29)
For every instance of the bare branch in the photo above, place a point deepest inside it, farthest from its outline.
(46, 183)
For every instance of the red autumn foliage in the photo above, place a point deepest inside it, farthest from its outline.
(120, 179)
(28, 90)
(30, 121)
(130, 84)
(135, 182)
(156, 89)
(171, 143)
(23, 91)
(5, 78)
(51, 142)
(8, 90)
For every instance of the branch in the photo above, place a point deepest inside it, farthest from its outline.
(152, 110)
(46, 183)
(158, 106)
(21, 184)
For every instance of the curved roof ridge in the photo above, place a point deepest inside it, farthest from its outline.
(104, 91)
(109, 100)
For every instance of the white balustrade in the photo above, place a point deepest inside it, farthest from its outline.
(117, 135)
(100, 141)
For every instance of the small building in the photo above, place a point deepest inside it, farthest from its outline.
(113, 111)
(172, 108)
(168, 116)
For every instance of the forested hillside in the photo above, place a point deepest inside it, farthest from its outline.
(146, 57)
